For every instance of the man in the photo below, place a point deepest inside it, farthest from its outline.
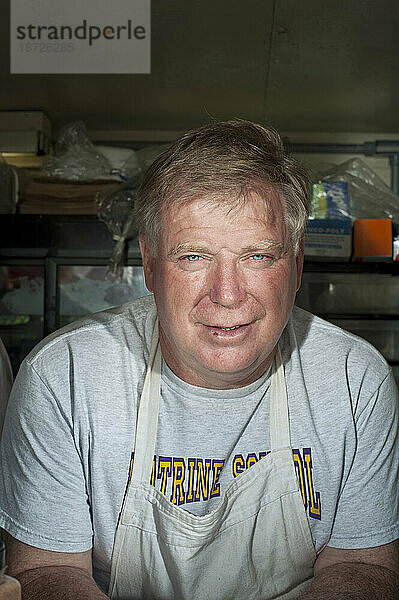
(218, 443)
(6, 378)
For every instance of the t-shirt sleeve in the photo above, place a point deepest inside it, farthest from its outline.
(43, 491)
(368, 506)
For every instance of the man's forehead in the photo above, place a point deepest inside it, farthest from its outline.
(267, 201)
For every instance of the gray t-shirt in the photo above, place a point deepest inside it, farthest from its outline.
(68, 441)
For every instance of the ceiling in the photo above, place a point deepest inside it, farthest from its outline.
(311, 65)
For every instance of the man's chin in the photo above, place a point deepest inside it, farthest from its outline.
(230, 373)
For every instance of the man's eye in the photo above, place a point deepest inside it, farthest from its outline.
(261, 261)
(191, 257)
(262, 257)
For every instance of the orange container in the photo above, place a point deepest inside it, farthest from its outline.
(372, 239)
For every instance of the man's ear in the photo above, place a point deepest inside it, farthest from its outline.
(299, 262)
(148, 263)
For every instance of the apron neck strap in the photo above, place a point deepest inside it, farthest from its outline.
(279, 420)
(147, 417)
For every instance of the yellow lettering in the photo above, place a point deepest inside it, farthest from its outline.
(202, 479)
(238, 465)
(191, 469)
(217, 466)
(179, 472)
(314, 497)
(164, 471)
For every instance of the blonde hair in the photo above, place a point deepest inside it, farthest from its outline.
(226, 160)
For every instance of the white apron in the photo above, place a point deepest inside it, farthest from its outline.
(255, 545)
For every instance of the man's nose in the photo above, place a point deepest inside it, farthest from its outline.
(227, 286)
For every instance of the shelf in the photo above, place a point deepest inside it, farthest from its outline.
(84, 236)
(388, 268)
(41, 236)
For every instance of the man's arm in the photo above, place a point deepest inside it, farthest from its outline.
(46, 575)
(361, 574)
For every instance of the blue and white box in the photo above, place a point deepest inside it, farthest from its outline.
(328, 239)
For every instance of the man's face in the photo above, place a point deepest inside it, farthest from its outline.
(224, 283)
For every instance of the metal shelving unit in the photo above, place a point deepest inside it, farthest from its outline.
(66, 249)
(52, 271)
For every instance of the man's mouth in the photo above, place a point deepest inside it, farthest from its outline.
(223, 330)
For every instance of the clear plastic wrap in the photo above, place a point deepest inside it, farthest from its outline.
(76, 158)
(115, 209)
(124, 161)
(369, 196)
(147, 155)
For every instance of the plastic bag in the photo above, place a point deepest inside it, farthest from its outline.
(147, 155)
(115, 209)
(76, 158)
(369, 196)
(124, 161)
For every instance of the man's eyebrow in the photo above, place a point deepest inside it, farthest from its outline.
(261, 246)
(187, 247)
(264, 245)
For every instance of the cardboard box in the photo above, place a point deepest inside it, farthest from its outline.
(24, 131)
(372, 240)
(328, 239)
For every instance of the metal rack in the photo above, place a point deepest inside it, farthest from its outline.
(387, 148)
(53, 242)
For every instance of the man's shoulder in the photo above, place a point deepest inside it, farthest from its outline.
(325, 361)
(130, 324)
(318, 338)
